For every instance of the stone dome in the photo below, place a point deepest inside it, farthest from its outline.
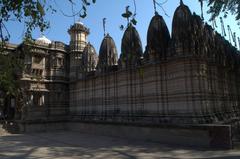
(107, 53)
(43, 40)
(158, 36)
(78, 26)
(89, 58)
(181, 25)
(131, 47)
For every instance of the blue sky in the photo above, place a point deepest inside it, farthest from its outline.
(112, 10)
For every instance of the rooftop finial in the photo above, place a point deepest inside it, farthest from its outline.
(104, 26)
(155, 8)
(181, 2)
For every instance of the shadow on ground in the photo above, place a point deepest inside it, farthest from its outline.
(69, 145)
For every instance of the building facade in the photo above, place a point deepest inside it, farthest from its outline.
(188, 77)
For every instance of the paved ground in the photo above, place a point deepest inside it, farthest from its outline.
(71, 145)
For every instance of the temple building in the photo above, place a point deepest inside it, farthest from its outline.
(188, 77)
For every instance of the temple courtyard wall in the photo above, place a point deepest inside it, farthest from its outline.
(182, 90)
(188, 101)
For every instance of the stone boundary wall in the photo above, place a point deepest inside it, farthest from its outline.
(198, 136)
(182, 90)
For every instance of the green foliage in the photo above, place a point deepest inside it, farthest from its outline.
(9, 67)
(30, 12)
(216, 7)
(134, 21)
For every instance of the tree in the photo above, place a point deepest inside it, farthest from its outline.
(216, 7)
(32, 14)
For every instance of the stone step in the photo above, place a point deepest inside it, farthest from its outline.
(3, 131)
(8, 128)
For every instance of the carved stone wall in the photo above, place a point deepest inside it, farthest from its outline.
(180, 90)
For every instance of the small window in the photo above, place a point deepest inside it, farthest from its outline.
(37, 59)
